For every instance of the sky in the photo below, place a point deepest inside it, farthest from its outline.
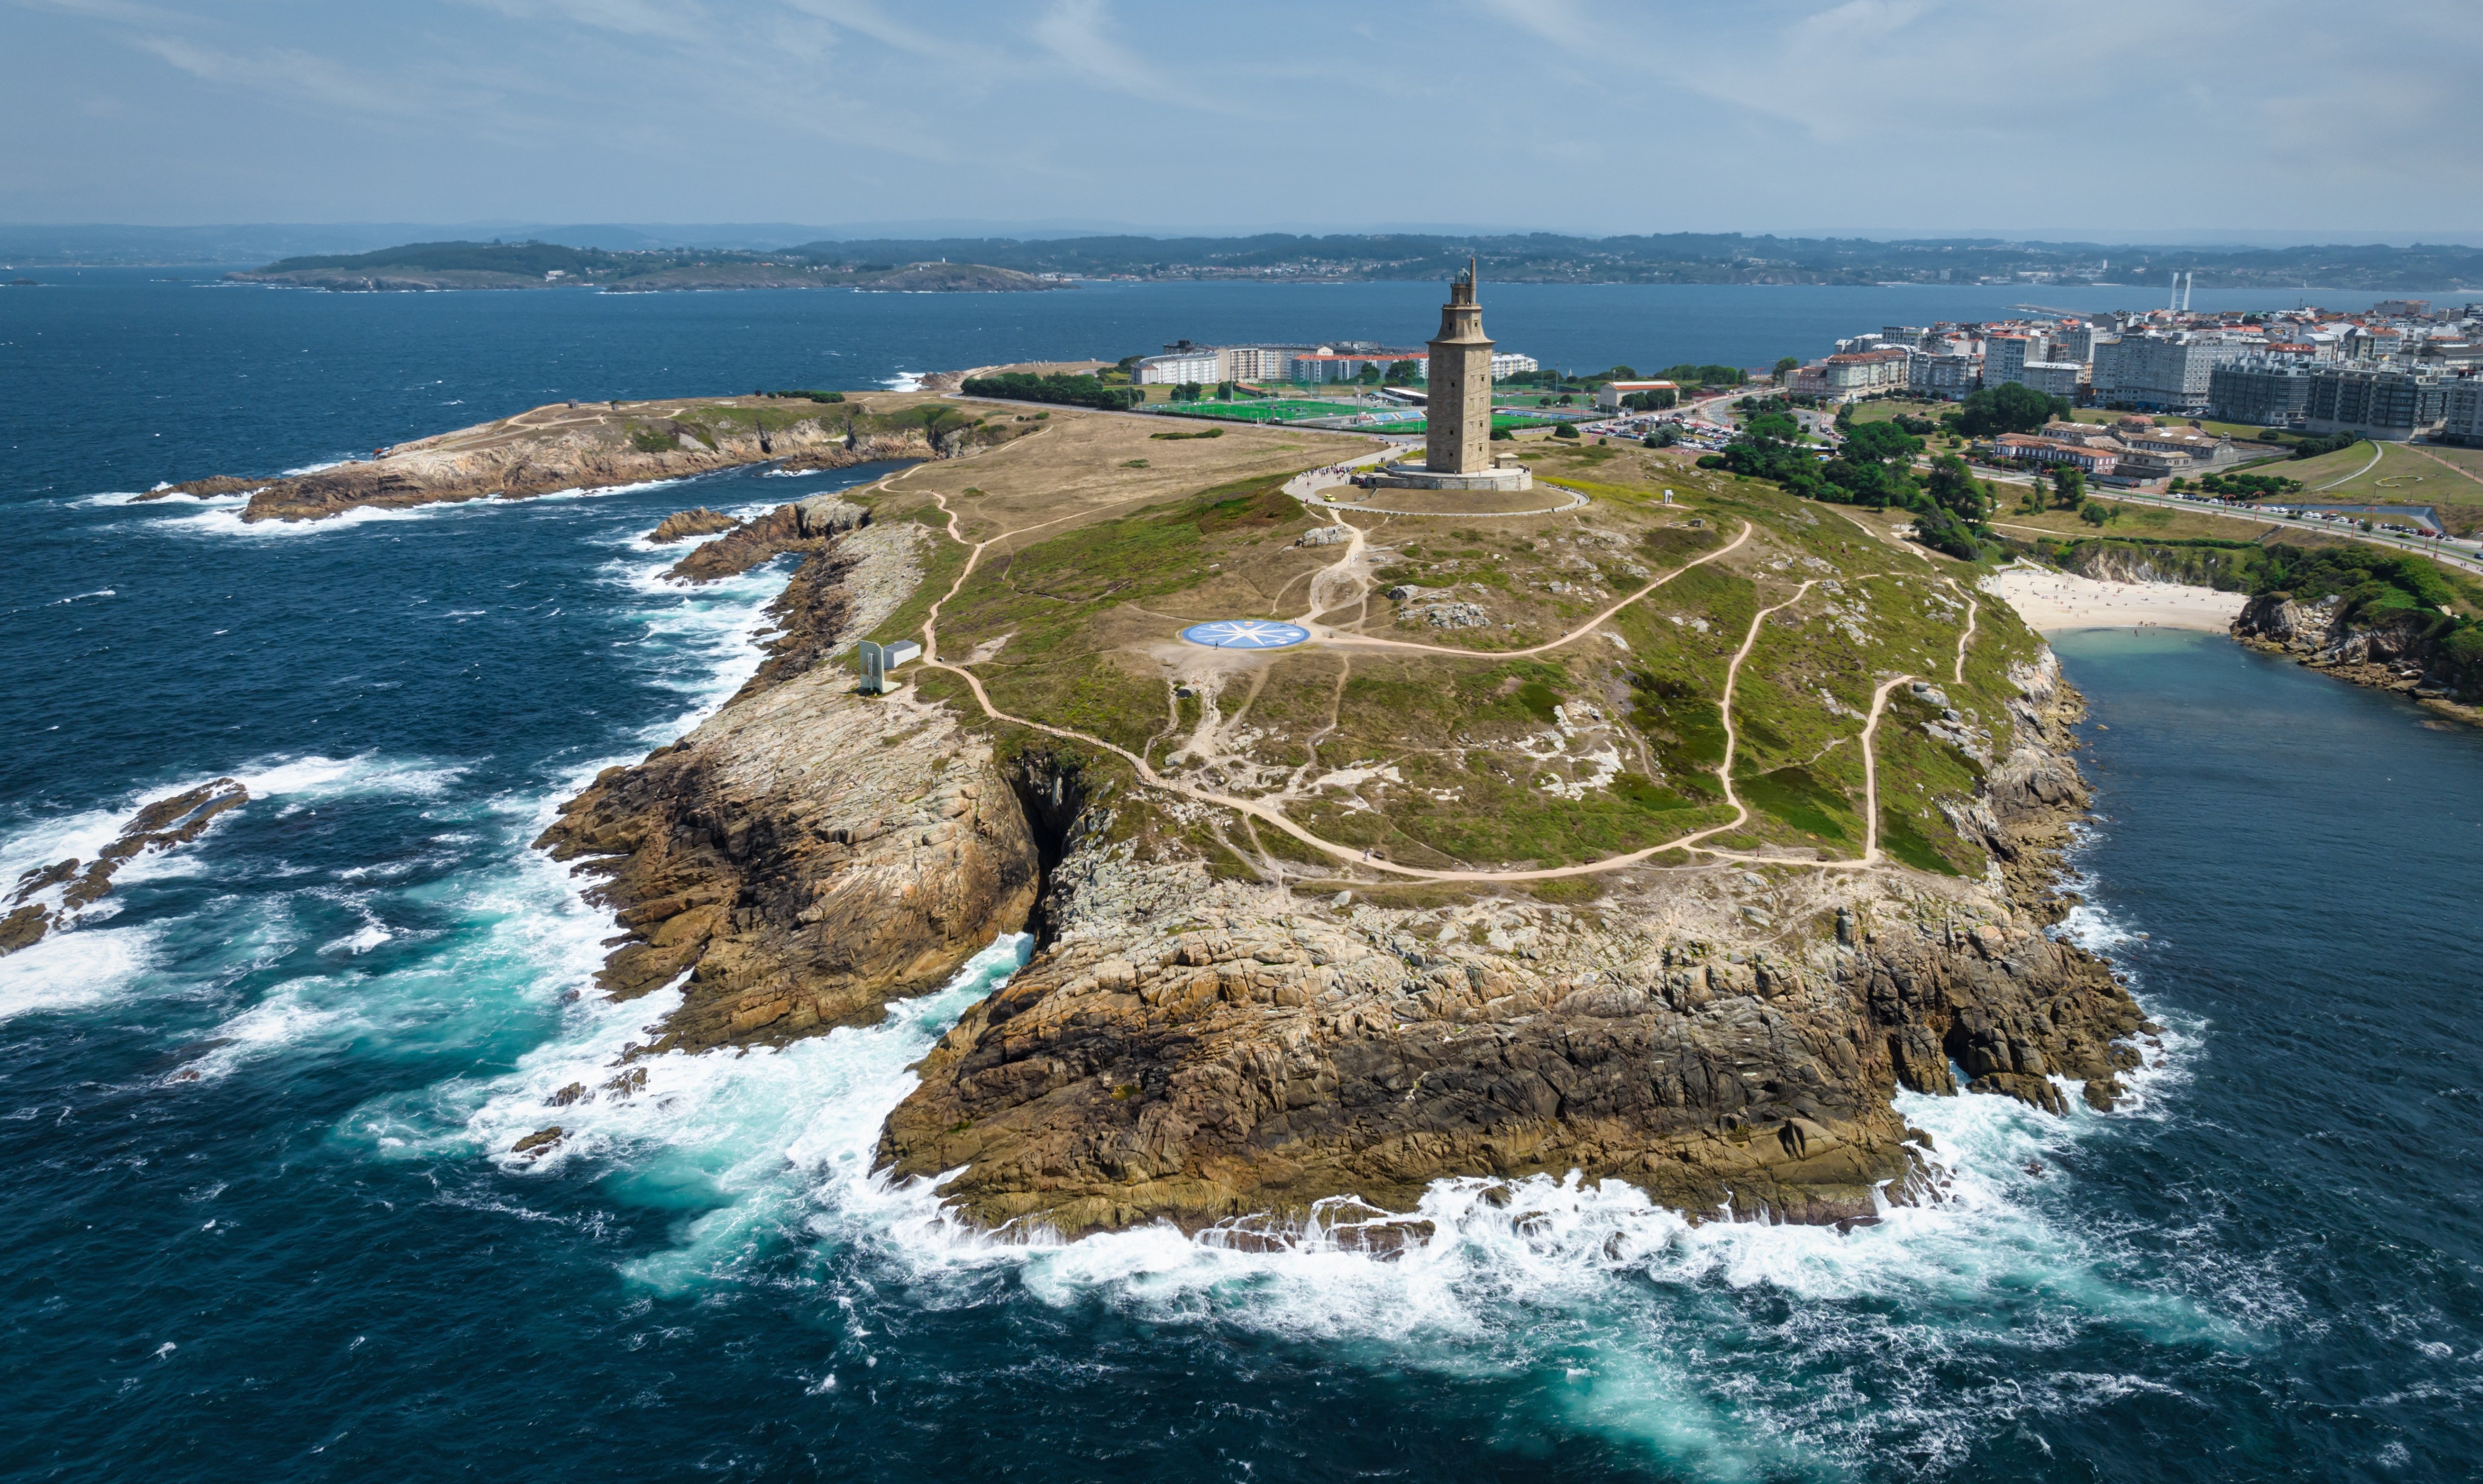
(2100, 120)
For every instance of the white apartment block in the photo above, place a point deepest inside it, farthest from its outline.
(2005, 357)
(1950, 374)
(2164, 373)
(1198, 365)
(2053, 378)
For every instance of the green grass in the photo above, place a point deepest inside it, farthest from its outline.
(1802, 800)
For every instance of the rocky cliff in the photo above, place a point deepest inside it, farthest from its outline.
(808, 853)
(805, 525)
(2401, 652)
(1201, 1051)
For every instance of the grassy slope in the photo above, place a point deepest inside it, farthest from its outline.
(1463, 760)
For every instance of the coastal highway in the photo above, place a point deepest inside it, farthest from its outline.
(2465, 556)
(2461, 555)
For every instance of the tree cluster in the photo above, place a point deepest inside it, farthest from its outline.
(1872, 468)
(1057, 388)
(2008, 407)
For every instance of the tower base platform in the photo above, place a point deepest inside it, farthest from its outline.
(1416, 476)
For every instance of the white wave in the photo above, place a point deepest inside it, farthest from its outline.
(74, 970)
(315, 779)
(287, 1017)
(226, 520)
(904, 380)
(701, 639)
(225, 517)
(740, 1127)
(317, 468)
(1637, 1306)
(82, 597)
(41, 842)
(370, 934)
(586, 492)
(521, 938)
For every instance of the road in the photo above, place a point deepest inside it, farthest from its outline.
(2462, 555)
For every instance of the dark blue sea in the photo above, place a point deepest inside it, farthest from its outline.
(258, 1217)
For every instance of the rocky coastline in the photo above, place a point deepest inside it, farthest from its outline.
(571, 445)
(1205, 1052)
(1193, 1047)
(2396, 655)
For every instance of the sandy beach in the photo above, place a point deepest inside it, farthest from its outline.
(2051, 601)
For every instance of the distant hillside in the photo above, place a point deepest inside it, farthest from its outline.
(1001, 264)
(1694, 257)
(518, 265)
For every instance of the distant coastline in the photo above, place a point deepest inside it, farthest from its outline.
(1533, 258)
(440, 267)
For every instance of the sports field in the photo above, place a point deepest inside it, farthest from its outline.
(1274, 409)
(1292, 409)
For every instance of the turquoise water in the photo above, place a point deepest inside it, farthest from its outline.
(255, 1112)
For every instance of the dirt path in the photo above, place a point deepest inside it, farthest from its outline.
(2454, 468)
(1261, 810)
(1368, 640)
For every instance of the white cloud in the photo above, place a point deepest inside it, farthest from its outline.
(2107, 116)
(288, 73)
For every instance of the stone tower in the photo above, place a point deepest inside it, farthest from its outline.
(1458, 439)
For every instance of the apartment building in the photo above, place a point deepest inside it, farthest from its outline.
(1854, 374)
(2462, 412)
(2381, 403)
(2053, 378)
(2160, 372)
(1949, 375)
(2270, 389)
(1197, 365)
(2005, 357)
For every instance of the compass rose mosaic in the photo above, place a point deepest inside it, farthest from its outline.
(1245, 634)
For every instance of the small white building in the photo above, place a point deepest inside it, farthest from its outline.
(1610, 395)
(1171, 370)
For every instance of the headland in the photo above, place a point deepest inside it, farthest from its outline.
(1661, 841)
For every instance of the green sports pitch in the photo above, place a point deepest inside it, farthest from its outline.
(1274, 409)
(1305, 410)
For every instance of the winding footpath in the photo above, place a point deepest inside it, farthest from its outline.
(1260, 811)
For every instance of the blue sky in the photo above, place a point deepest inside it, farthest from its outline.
(2105, 118)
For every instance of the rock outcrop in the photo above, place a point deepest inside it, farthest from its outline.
(683, 524)
(803, 858)
(175, 819)
(802, 526)
(808, 853)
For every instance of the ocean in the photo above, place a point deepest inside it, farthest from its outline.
(255, 1110)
